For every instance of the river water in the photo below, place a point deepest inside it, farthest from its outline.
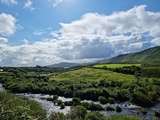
(127, 107)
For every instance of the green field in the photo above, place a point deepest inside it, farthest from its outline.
(114, 65)
(91, 74)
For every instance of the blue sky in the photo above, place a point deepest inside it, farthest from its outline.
(43, 32)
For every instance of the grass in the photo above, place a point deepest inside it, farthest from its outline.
(19, 108)
(114, 65)
(91, 74)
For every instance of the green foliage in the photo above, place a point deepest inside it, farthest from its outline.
(62, 106)
(110, 108)
(118, 109)
(78, 112)
(95, 115)
(111, 100)
(141, 99)
(13, 108)
(76, 101)
(115, 65)
(143, 111)
(102, 100)
(57, 116)
(92, 74)
(122, 117)
(157, 114)
(91, 106)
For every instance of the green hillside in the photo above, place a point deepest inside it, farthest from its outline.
(148, 55)
(91, 74)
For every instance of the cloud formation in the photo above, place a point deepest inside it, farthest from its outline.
(86, 39)
(28, 5)
(7, 24)
(55, 2)
(9, 2)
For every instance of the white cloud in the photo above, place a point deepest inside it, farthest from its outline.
(156, 41)
(54, 34)
(25, 41)
(86, 39)
(55, 2)
(7, 24)
(9, 2)
(3, 40)
(28, 5)
(38, 33)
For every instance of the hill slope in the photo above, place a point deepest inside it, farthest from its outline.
(65, 65)
(148, 55)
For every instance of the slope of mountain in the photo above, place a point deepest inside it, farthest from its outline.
(65, 65)
(148, 55)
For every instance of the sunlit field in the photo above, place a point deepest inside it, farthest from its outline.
(91, 74)
(114, 65)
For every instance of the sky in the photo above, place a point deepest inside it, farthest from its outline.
(45, 32)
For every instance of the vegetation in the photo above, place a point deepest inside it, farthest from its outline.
(16, 108)
(148, 55)
(122, 117)
(116, 65)
(91, 74)
(137, 84)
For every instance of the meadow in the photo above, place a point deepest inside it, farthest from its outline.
(116, 65)
(91, 74)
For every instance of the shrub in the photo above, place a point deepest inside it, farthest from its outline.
(111, 100)
(68, 103)
(95, 115)
(62, 106)
(76, 101)
(110, 108)
(122, 117)
(57, 116)
(102, 100)
(55, 97)
(141, 99)
(118, 109)
(157, 114)
(143, 111)
(78, 112)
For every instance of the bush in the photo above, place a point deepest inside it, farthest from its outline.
(68, 103)
(78, 112)
(62, 106)
(95, 115)
(102, 100)
(143, 111)
(55, 97)
(76, 101)
(110, 108)
(141, 99)
(157, 114)
(59, 102)
(111, 100)
(118, 109)
(57, 116)
(122, 117)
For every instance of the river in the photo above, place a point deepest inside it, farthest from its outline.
(127, 107)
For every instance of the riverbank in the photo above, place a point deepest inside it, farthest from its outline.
(127, 107)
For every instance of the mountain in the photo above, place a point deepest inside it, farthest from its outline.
(148, 55)
(65, 65)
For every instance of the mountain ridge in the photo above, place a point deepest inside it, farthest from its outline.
(147, 55)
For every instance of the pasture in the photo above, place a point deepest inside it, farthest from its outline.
(91, 74)
(115, 65)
